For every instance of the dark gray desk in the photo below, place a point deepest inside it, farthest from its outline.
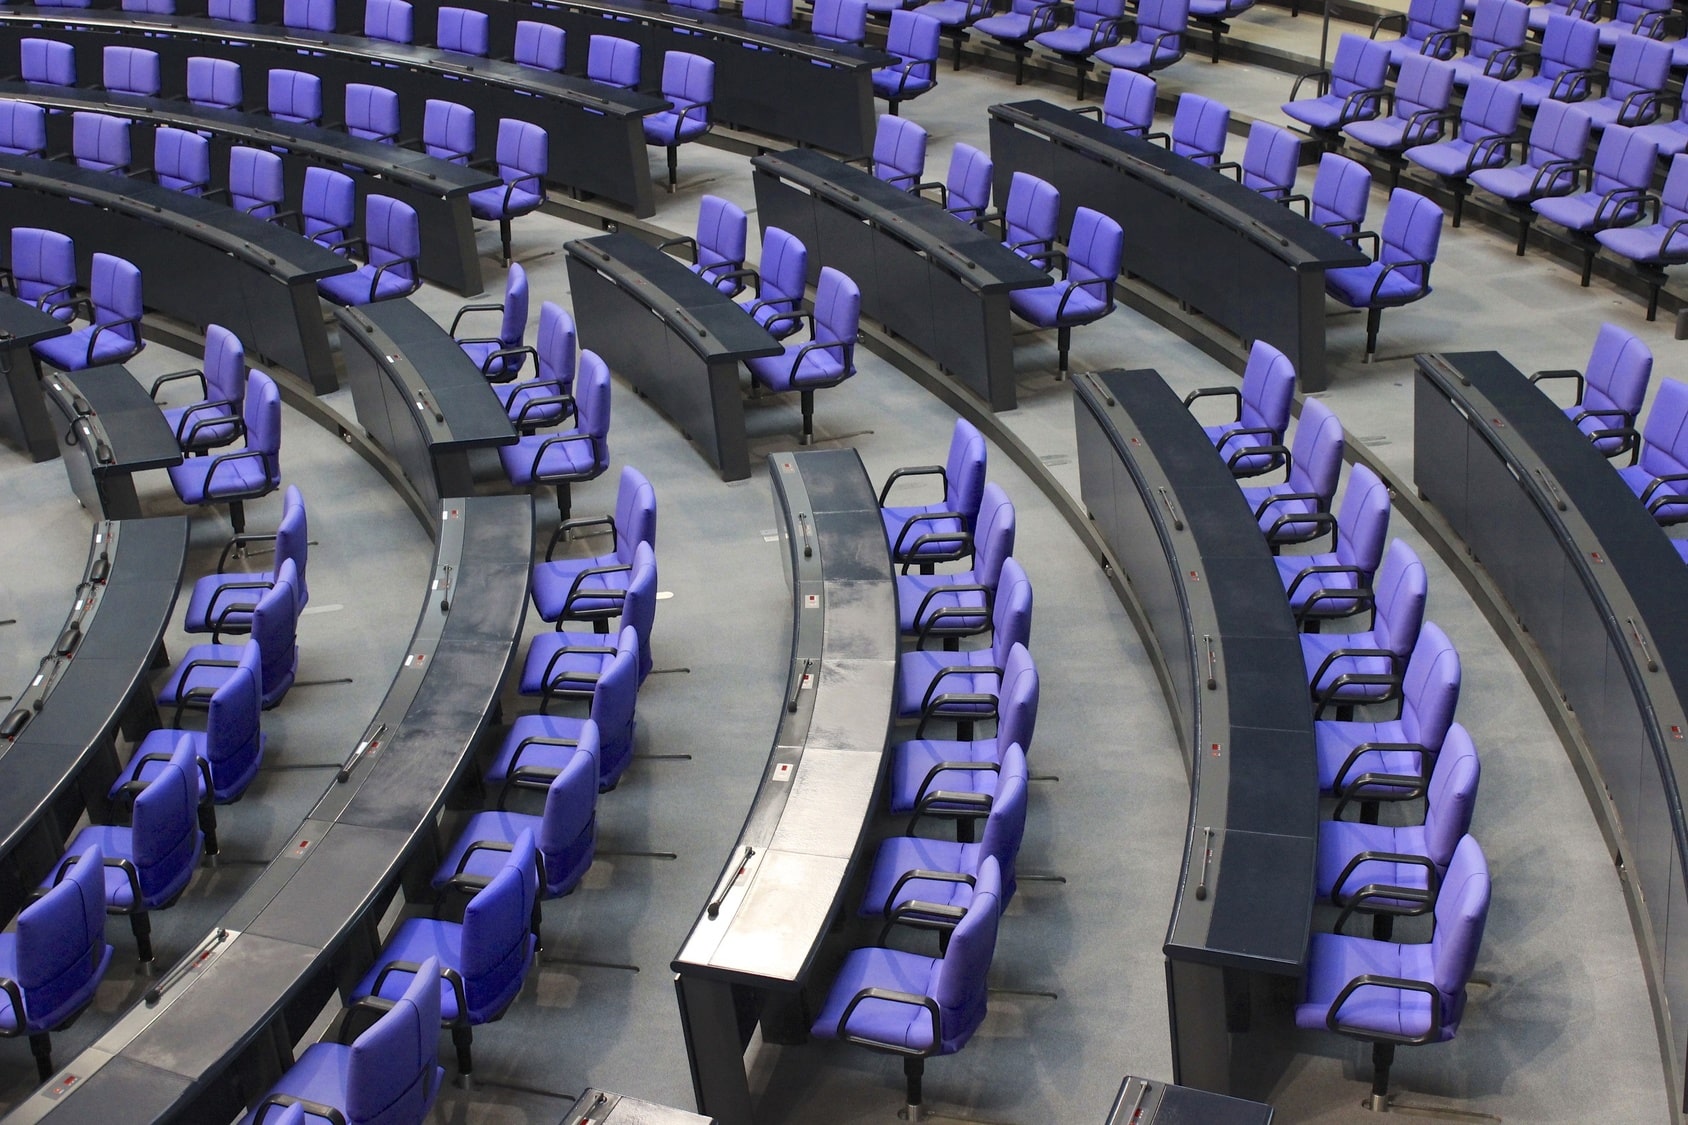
(1604, 595)
(749, 954)
(437, 189)
(599, 1107)
(1179, 529)
(119, 431)
(228, 1014)
(1141, 1102)
(597, 139)
(93, 683)
(201, 263)
(784, 83)
(419, 397)
(924, 274)
(690, 371)
(1253, 266)
(23, 417)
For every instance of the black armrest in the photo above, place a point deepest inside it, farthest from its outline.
(913, 471)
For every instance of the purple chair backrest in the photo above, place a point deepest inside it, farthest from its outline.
(214, 82)
(328, 206)
(556, 345)
(372, 112)
(1005, 827)
(1498, 25)
(462, 30)
(1268, 386)
(776, 13)
(392, 1068)
(964, 470)
(842, 21)
(1412, 230)
(1624, 159)
(638, 607)
(592, 403)
(969, 182)
(393, 234)
(1017, 705)
(391, 20)
(151, 7)
(1664, 442)
(1639, 67)
(47, 60)
(42, 261)
(1619, 369)
(100, 142)
(497, 931)
(1430, 690)
(913, 37)
(1424, 84)
(448, 130)
(181, 160)
(722, 230)
(130, 70)
(838, 312)
(293, 542)
(1559, 132)
(993, 535)
(311, 15)
(899, 151)
(1316, 454)
(295, 96)
(1452, 797)
(1270, 160)
(1031, 212)
(514, 323)
(1568, 43)
(1427, 17)
(687, 80)
(1401, 588)
(612, 61)
(240, 11)
(1360, 64)
(1198, 128)
(1011, 612)
(231, 725)
(1162, 23)
(114, 284)
(523, 151)
(784, 270)
(1462, 908)
(1341, 190)
(1129, 103)
(261, 413)
(23, 128)
(571, 802)
(614, 696)
(1490, 107)
(61, 937)
(635, 513)
(165, 836)
(224, 365)
(275, 625)
(1094, 249)
(960, 986)
(540, 45)
(1363, 520)
(255, 181)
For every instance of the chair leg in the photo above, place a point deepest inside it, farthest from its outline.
(41, 1046)
(462, 1036)
(141, 923)
(1524, 220)
(807, 398)
(914, 1068)
(1653, 298)
(673, 167)
(957, 36)
(565, 502)
(1082, 66)
(891, 108)
(1214, 55)
(1020, 54)
(1063, 343)
(1588, 266)
(237, 515)
(1382, 927)
(1460, 189)
(208, 826)
(504, 238)
(1383, 1057)
(1373, 316)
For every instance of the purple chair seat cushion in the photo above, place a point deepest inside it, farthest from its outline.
(1316, 646)
(1354, 286)
(1333, 960)
(915, 853)
(912, 589)
(1342, 840)
(1040, 305)
(884, 1021)
(562, 460)
(552, 582)
(912, 761)
(71, 351)
(1335, 741)
(489, 203)
(917, 670)
(200, 480)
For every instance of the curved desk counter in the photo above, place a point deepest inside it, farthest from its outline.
(58, 751)
(1599, 587)
(1251, 265)
(118, 431)
(932, 279)
(220, 1025)
(215, 265)
(23, 416)
(597, 141)
(749, 954)
(1221, 630)
(438, 189)
(419, 397)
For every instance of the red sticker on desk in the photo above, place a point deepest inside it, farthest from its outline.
(1595, 555)
(1195, 576)
(1676, 732)
(1213, 750)
(414, 659)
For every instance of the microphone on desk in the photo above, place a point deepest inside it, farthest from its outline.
(1207, 859)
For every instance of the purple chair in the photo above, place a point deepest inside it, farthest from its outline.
(42, 271)
(1487, 130)
(1341, 193)
(150, 7)
(565, 833)
(1565, 68)
(1215, 16)
(1634, 84)
(964, 687)
(390, 1073)
(308, 15)
(781, 280)
(130, 70)
(613, 62)
(1616, 195)
(1095, 24)
(1248, 442)
(568, 663)
(899, 152)
(916, 1006)
(1351, 90)
(1553, 159)
(23, 128)
(955, 17)
(1128, 103)
(578, 454)
(100, 142)
(1662, 242)
(1029, 218)
(1610, 390)
(114, 332)
(372, 113)
(1085, 292)
(1338, 582)
(942, 531)
(47, 61)
(547, 742)
(839, 21)
(1391, 759)
(223, 601)
(448, 131)
(1662, 466)
(775, 13)
(717, 252)
(327, 208)
(523, 157)
(957, 779)
(1583, 11)
(274, 625)
(55, 959)
(255, 182)
(214, 420)
(1396, 871)
(559, 584)
(966, 190)
(913, 38)
(181, 161)
(1199, 127)
(1647, 19)
(1370, 666)
(392, 21)
(1157, 37)
(827, 359)
(547, 398)
(1428, 28)
(236, 11)
(295, 97)
(957, 604)
(1417, 115)
(688, 82)
(1671, 137)
(1270, 160)
(499, 358)
(1294, 510)
(925, 883)
(462, 30)
(540, 46)
(1013, 28)
(215, 83)
(392, 243)
(247, 473)
(1391, 994)
(1400, 272)
(1495, 42)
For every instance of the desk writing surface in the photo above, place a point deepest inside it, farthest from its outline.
(134, 425)
(820, 816)
(341, 874)
(22, 324)
(774, 930)
(856, 612)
